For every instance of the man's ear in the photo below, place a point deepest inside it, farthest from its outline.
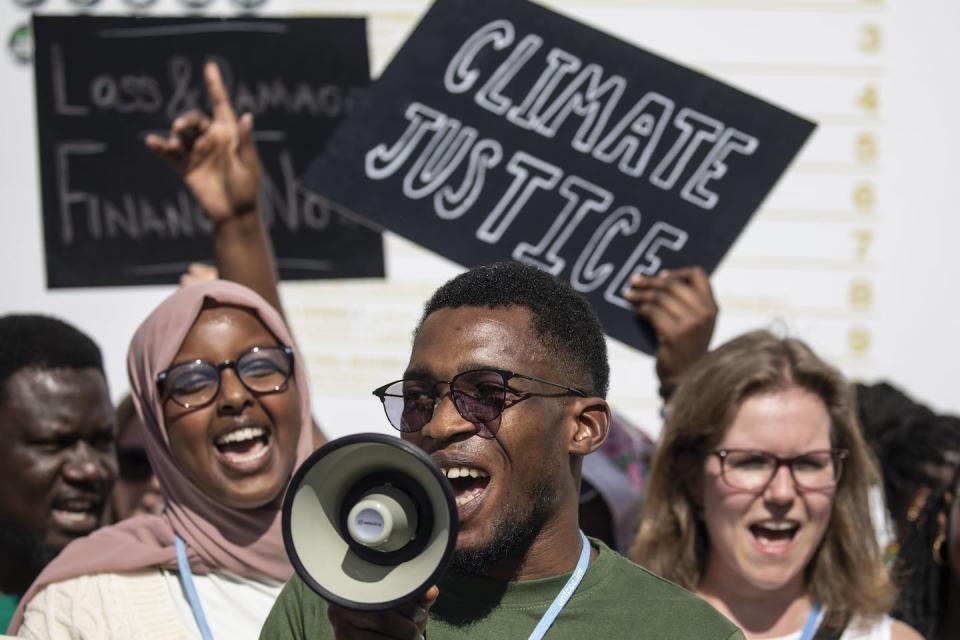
(592, 425)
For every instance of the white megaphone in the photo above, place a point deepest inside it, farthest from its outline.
(369, 521)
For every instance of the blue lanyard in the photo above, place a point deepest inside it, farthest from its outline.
(186, 579)
(565, 594)
(811, 625)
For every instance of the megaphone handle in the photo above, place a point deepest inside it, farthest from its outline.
(353, 622)
(186, 580)
(565, 594)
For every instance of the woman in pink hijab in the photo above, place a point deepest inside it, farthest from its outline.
(225, 402)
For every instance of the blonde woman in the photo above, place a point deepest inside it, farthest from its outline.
(758, 497)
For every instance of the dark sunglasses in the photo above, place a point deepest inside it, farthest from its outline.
(133, 465)
(195, 384)
(480, 396)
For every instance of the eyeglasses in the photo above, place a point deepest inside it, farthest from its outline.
(480, 396)
(751, 470)
(195, 384)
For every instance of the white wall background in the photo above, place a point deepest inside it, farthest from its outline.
(857, 250)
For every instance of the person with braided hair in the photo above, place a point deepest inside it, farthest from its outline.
(916, 448)
(928, 567)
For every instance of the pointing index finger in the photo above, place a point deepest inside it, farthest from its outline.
(219, 100)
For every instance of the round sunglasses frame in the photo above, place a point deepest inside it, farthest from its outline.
(483, 429)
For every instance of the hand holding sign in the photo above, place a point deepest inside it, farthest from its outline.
(680, 307)
(216, 158)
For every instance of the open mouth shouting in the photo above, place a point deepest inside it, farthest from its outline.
(469, 484)
(77, 514)
(774, 537)
(244, 448)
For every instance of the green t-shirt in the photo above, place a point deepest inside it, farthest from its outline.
(8, 605)
(616, 599)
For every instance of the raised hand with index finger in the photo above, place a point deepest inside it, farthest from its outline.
(215, 157)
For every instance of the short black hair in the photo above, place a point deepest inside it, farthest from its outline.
(563, 320)
(28, 340)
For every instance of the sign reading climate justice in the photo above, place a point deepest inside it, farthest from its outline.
(115, 214)
(502, 130)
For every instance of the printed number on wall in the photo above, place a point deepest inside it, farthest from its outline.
(858, 340)
(871, 38)
(864, 197)
(861, 295)
(863, 238)
(869, 99)
(865, 148)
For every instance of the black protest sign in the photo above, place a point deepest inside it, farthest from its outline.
(502, 130)
(114, 214)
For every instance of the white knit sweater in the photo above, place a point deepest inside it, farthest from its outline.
(137, 606)
(148, 605)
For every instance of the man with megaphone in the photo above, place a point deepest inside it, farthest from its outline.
(505, 392)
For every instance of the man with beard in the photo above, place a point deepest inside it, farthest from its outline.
(57, 460)
(505, 390)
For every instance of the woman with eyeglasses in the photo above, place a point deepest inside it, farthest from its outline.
(224, 401)
(758, 497)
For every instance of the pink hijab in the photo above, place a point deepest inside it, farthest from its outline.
(247, 543)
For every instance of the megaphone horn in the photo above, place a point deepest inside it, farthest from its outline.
(369, 521)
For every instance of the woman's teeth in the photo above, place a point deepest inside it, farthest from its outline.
(240, 435)
(775, 530)
(256, 455)
(245, 445)
(777, 526)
